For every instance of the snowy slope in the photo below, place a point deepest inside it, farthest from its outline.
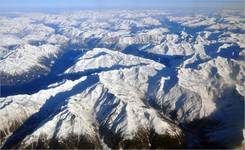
(93, 103)
(22, 64)
(123, 79)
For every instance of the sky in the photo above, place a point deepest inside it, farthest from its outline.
(131, 4)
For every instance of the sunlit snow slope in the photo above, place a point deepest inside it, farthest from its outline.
(122, 79)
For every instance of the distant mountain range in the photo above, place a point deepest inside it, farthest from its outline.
(122, 79)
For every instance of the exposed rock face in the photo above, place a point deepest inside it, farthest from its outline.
(122, 79)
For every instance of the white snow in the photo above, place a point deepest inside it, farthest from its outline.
(125, 90)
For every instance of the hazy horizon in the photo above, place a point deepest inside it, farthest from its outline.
(39, 5)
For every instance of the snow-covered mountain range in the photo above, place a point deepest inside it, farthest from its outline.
(122, 79)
